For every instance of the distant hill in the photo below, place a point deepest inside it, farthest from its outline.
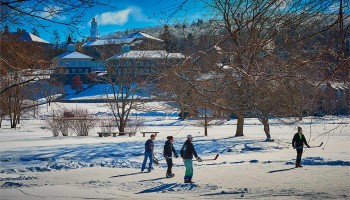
(198, 28)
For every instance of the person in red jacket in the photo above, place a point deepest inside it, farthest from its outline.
(298, 144)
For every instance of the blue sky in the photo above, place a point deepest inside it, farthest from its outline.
(125, 14)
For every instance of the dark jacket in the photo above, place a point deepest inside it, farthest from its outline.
(149, 146)
(169, 149)
(188, 151)
(299, 142)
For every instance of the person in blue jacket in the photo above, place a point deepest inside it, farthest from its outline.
(149, 147)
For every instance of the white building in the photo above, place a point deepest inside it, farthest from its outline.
(72, 63)
(144, 62)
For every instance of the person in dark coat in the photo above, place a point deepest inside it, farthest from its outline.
(168, 154)
(149, 147)
(187, 152)
(298, 144)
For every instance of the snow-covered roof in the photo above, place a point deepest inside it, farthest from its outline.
(140, 35)
(25, 36)
(208, 76)
(336, 85)
(73, 54)
(108, 41)
(124, 39)
(147, 54)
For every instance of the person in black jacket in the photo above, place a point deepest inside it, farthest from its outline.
(149, 146)
(298, 143)
(168, 154)
(187, 152)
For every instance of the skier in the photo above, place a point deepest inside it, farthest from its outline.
(187, 152)
(298, 143)
(149, 146)
(168, 153)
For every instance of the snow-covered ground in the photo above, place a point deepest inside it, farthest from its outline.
(36, 165)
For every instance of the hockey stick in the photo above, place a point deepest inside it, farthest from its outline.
(155, 160)
(317, 146)
(216, 157)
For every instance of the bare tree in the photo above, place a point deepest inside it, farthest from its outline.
(261, 43)
(127, 89)
(82, 122)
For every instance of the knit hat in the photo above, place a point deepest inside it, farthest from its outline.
(189, 136)
(169, 137)
(299, 128)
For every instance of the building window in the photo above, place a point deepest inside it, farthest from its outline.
(73, 63)
(80, 71)
(86, 71)
(73, 71)
(67, 71)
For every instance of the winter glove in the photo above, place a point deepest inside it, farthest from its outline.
(199, 159)
(176, 156)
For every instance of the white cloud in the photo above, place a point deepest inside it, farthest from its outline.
(138, 15)
(115, 18)
(121, 17)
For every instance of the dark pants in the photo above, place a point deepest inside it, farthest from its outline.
(299, 154)
(170, 165)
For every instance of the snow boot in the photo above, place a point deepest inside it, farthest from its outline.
(299, 165)
(188, 181)
(168, 175)
(149, 170)
(172, 175)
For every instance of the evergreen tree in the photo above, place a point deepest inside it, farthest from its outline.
(166, 37)
(56, 38)
(35, 32)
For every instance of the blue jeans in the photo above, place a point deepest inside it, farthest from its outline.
(150, 156)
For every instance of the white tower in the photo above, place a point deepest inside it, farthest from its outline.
(93, 30)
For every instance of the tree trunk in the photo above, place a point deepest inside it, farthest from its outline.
(240, 124)
(13, 121)
(121, 126)
(205, 122)
(265, 122)
(18, 118)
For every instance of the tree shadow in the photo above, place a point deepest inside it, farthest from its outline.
(131, 174)
(281, 170)
(155, 179)
(167, 187)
